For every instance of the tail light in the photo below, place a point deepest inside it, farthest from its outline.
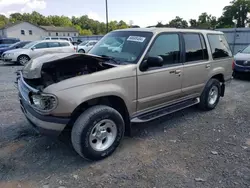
(233, 65)
(75, 48)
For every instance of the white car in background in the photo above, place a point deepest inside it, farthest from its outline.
(37, 48)
(85, 46)
(59, 38)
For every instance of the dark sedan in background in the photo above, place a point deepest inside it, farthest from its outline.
(241, 64)
(13, 46)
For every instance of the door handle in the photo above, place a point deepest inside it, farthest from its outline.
(177, 71)
(208, 66)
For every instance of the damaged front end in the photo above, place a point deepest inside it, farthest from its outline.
(50, 69)
(53, 68)
(39, 73)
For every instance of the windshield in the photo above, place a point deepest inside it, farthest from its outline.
(84, 43)
(246, 50)
(134, 44)
(13, 45)
(27, 46)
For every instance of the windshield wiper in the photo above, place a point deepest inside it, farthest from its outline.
(110, 58)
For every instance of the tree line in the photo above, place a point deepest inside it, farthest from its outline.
(83, 24)
(234, 15)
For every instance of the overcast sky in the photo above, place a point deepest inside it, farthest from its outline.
(142, 12)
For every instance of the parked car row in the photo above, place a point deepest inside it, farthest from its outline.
(37, 48)
(5, 42)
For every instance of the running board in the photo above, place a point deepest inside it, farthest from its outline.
(149, 116)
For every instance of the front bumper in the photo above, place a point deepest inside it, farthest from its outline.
(243, 69)
(5, 58)
(45, 124)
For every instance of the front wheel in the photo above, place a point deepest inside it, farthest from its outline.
(23, 59)
(81, 51)
(210, 95)
(97, 132)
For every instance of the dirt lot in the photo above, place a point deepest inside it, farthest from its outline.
(187, 149)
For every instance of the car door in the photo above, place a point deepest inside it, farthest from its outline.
(38, 49)
(54, 47)
(161, 85)
(196, 65)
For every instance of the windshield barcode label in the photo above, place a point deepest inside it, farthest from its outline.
(136, 38)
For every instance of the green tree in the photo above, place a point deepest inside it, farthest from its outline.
(178, 23)
(15, 17)
(159, 24)
(237, 10)
(193, 23)
(3, 20)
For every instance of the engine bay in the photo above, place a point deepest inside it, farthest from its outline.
(66, 68)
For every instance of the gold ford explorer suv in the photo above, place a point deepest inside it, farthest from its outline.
(98, 95)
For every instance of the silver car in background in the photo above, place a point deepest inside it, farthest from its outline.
(86, 46)
(37, 48)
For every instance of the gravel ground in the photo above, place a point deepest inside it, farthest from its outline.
(187, 149)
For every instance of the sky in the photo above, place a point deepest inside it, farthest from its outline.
(141, 12)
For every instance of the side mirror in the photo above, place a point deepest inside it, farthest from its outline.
(240, 50)
(17, 47)
(155, 61)
(33, 48)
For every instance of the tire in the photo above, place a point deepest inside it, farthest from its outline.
(235, 75)
(213, 86)
(86, 126)
(81, 51)
(23, 59)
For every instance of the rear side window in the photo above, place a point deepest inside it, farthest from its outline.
(53, 44)
(41, 45)
(219, 46)
(167, 46)
(195, 49)
(64, 44)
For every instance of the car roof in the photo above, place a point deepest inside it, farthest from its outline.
(52, 41)
(156, 30)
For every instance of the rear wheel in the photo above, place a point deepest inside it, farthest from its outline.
(97, 132)
(81, 51)
(210, 95)
(23, 59)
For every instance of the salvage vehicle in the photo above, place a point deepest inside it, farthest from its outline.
(98, 95)
(242, 62)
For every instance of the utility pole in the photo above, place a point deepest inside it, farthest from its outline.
(107, 18)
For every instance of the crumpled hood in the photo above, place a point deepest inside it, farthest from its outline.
(242, 56)
(34, 68)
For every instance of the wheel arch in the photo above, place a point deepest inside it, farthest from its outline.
(113, 101)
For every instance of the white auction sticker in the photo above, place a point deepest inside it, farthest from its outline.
(136, 38)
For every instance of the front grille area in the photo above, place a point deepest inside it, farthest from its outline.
(243, 63)
(24, 90)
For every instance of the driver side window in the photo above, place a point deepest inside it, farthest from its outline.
(166, 46)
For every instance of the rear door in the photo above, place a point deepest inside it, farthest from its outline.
(54, 47)
(67, 47)
(196, 64)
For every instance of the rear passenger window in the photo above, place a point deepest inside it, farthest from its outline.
(219, 46)
(53, 44)
(167, 46)
(64, 44)
(195, 47)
